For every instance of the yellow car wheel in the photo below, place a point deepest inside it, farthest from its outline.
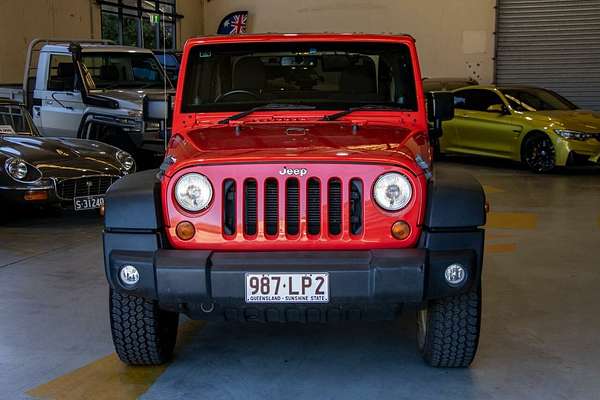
(538, 153)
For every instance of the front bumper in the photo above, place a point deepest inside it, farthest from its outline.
(26, 195)
(211, 285)
(572, 152)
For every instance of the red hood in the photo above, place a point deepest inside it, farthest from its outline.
(325, 141)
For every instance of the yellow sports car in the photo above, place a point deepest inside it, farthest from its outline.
(535, 126)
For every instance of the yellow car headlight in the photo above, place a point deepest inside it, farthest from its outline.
(573, 135)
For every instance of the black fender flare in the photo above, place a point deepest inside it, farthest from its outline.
(134, 203)
(455, 215)
(455, 201)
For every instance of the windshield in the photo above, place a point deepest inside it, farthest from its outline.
(534, 99)
(112, 70)
(237, 77)
(15, 120)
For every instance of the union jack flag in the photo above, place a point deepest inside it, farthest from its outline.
(234, 23)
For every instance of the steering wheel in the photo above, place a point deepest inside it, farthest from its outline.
(233, 92)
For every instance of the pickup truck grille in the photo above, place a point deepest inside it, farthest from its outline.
(68, 189)
(294, 198)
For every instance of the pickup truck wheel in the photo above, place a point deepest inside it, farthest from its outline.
(142, 333)
(448, 330)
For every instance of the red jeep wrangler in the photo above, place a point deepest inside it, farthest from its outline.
(297, 187)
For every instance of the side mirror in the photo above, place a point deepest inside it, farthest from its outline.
(156, 109)
(498, 108)
(440, 107)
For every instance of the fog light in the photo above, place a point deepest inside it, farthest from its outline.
(129, 275)
(455, 274)
(185, 230)
(400, 230)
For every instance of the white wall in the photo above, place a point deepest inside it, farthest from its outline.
(454, 37)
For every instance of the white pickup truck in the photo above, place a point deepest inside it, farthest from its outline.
(92, 89)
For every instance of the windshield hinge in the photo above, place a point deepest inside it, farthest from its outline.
(424, 166)
(167, 162)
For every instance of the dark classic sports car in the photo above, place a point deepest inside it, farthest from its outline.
(71, 173)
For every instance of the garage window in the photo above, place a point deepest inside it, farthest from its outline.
(140, 23)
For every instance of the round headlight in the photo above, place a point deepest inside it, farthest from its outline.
(126, 160)
(16, 168)
(193, 192)
(392, 191)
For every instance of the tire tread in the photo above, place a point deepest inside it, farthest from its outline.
(142, 333)
(453, 330)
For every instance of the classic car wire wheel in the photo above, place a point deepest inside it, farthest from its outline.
(538, 153)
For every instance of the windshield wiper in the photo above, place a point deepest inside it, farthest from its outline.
(367, 107)
(268, 107)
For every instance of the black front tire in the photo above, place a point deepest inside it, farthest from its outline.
(142, 333)
(448, 330)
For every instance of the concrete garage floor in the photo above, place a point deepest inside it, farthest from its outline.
(540, 322)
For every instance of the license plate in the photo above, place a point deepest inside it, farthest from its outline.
(287, 288)
(88, 202)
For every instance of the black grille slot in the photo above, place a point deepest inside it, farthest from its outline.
(229, 199)
(334, 206)
(250, 212)
(313, 212)
(87, 186)
(292, 206)
(356, 206)
(271, 207)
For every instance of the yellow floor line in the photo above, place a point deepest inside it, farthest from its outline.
(497, 235)
(496, 248)
(108, 378)
(508, 220)
(491, 189)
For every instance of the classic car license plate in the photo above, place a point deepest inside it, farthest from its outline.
(287, 288)
(88, 202)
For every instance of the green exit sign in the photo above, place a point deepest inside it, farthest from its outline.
(154, 18)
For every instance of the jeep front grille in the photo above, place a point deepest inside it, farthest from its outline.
(334, 206)
(250, 208)
(68, 189)
(271, 207)
(313, 207)
(295, 199)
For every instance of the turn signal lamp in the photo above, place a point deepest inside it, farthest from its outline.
(36, 195)
(400, 230)
(185, 230)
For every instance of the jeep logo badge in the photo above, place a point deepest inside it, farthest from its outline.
(295, 171)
